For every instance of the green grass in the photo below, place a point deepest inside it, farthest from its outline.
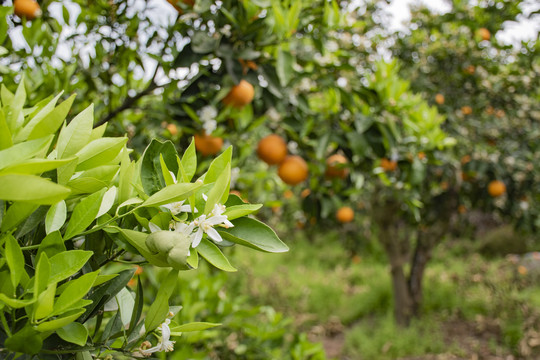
(318, 283)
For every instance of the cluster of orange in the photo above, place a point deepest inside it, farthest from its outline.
(239, 96)
(292, 169)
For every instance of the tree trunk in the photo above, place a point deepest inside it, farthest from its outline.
(422, 254)
(403, 302)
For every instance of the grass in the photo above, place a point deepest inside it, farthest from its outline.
(318, 283)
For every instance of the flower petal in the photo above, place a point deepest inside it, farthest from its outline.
(197, 237)
(214, 235)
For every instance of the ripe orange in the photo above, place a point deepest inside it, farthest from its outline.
(293, 170)
(345, 214)
(240, 95)
(305, 193)
(388, 165)
(172, 129)
(462, 209)
(272, 149)
(465, 159)
(484, 33)
(28, 9)
(421, 155)
(178, 8)
(470, 69)
(333, 168)
(466, 110)
(288, 194)
(208, 144)
(496, 188)
(439, 99)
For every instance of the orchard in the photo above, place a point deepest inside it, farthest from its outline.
(270, 179)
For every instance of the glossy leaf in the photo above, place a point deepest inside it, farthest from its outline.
(254, 234)
(84, 214)
(160, 307)
(67, 263)
(214, 256)
(56, 217)
(15, 259)
(32, 189)
(75, 333)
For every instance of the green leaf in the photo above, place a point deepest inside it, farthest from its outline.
(218, 165)
(160, 307)
(189, 162)
(43, 307)
(56, 217)
(51, 245)
(42, 275)
(60, 322)
(76, 134)
(99, 152)
(284, 67)
(172, 193)
(52, 122)
(5, 133)
(151, 173)
(32, 189)
(75, 291)
(17, 213)
(23, 151)
(167, 177)
(214, 256)
(84, 214)
(126, 303)
(107, 202)
(75, 333)
(43, 112)
(83, 355)
(67, 263)
(26, 341)
(137, 307)
(15, 303)
(237, 211)
(138, 240)
(35, 166)
(254, 234)
(15, 259)
(193, 326)
(220, 188)
(98, 132)
(101, 279)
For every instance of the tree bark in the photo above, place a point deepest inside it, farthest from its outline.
(422, 254)
(403, 303)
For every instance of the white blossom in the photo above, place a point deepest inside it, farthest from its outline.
(206, 223)
(165, 344)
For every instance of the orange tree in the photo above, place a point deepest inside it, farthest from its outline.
(489, 93)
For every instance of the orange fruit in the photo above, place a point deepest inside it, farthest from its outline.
(293, 170)
(240, 95)
(208, 144)
(421, 155)
(388, 165)
(172, 129)
(470, 69)
(272, 149)
(466, 110)
(439, 99)
(462, 209)
(288, 194)
(345, 214)
(484, 33)
(178, 8)
(500, 113)
(496, 188)
(333, 168)
(305, 193)
(28, 9)
(465, 159)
